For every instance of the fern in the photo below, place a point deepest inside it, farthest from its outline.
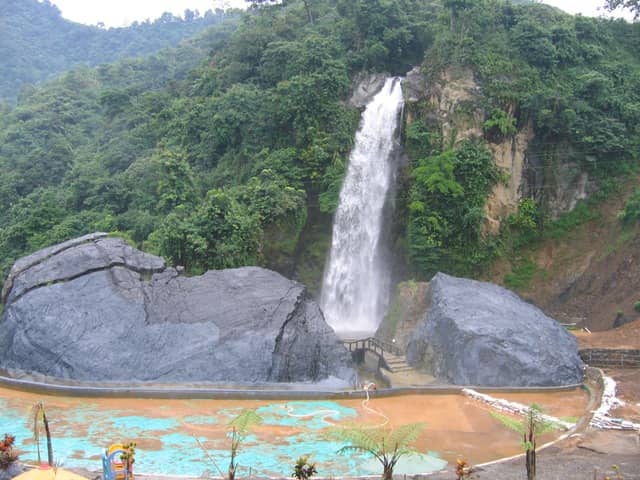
(245, 420)
(509, 422)
(386, 445)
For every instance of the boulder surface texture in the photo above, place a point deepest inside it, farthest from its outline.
(96, 309)
(477, 333)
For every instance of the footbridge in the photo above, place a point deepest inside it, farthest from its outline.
(390, 356)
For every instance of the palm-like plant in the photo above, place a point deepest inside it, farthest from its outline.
(240, 427)
(533, 425)
(39, 415)
(384, 444)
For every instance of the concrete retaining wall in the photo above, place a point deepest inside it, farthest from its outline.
(53, 387)
(610, 358)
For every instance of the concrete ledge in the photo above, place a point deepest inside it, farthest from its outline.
(54, 387)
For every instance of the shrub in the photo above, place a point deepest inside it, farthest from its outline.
(7, 454)
(303, 470)
(500, 125)
(631, 211)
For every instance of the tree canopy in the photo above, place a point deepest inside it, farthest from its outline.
(230, 148)
(632, 5)
(38, 44)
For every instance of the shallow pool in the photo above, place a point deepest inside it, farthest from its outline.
(189, 437)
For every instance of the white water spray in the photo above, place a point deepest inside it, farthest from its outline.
(356, 281)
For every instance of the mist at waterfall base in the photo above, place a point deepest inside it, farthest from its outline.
(355, 290)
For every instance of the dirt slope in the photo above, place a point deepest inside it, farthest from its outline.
(591, 274)
(625, 337)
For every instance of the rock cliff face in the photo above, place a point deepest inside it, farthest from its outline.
(476, 333)
(365, 87)
(95, 308)
(454, 102)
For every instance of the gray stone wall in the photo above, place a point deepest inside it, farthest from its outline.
(611, 358)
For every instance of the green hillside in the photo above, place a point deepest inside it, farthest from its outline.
(230, 150)
(37, 44)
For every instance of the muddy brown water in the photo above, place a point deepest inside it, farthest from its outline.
(456, 426)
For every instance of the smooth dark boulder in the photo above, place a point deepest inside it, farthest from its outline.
(96, 309)
(477, 333)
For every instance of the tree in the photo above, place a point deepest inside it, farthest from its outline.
(384, 444)
(39, 415)
(176, 185)
(220, 233)
(530, 428)
(240, 428)
(633, 5)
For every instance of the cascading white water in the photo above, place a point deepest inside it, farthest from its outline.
(356, 281)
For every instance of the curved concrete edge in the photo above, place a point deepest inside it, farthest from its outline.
(593, 386)
(206, 392)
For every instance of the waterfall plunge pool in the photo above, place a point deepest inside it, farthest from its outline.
(166, 431)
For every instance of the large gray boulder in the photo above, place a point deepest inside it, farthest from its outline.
(477, 333)
(95, 308)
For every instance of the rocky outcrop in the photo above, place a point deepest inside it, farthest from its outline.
(452, 104)
(510, 157)
(477, 333)
(97, 309)
(365, 87)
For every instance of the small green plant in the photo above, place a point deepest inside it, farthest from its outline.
(384, 444)
(616, 471)
(128, 457)
(240, 428)
(631, 211)
(522, 272)
(500, 124)
(636, 306)
(530, 428)
(303, 470)
(7, 453)
(526, 221)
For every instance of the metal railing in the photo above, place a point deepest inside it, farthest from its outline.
(375, 345)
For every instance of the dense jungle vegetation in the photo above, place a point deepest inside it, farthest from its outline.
(230, 150)
(37, 44)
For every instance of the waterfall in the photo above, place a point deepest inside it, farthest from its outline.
(355, 289)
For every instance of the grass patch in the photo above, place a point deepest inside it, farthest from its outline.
(626, 235)
(567, 222)
(570, 419)
(521, 274)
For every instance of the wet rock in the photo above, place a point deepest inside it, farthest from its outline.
(99, 309)
(366, 86)
(477, 333)
(415, 85)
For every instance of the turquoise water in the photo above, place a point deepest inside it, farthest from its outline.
(168, 445)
